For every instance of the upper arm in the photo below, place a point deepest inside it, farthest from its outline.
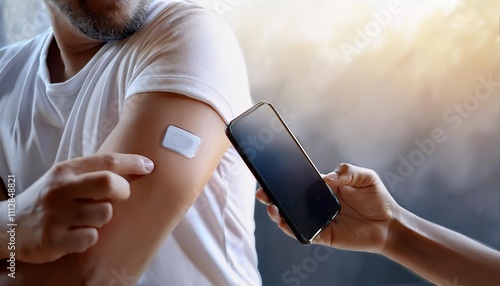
(158, 201)
(192, 56)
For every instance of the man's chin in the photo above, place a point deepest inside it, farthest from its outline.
(108, 36)
(107, 29)
(107, 25)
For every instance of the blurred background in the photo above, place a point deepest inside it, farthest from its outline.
(370, 83)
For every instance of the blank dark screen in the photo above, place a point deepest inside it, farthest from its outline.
(284, 170)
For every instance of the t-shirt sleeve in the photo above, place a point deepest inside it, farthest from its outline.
(191, 51)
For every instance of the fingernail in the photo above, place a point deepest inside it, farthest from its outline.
(262, 202)
(148, 164)
(332, 176)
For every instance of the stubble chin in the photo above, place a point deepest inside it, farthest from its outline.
(105, 25)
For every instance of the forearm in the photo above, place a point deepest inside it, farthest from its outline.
(439, 254)
(125, 245)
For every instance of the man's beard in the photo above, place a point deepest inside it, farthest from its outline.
(102, 26)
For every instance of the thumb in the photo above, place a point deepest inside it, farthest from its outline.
(350, 175)
(332, 179)
(335, 179)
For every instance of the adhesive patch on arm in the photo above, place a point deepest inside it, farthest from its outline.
(181, 141)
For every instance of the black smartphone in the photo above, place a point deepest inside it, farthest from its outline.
(283, 169)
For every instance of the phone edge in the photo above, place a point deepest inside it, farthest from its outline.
(298, 235)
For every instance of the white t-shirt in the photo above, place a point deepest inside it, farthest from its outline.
(181, 48)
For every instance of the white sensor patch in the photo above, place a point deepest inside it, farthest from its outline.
(181, 141)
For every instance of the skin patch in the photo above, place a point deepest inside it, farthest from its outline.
(181, 141)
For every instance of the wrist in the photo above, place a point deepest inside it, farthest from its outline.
(396, 230)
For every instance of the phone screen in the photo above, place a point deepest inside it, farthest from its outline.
(284, 171)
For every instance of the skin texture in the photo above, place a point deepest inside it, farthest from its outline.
(104, 21)
(61, 212)
(82, 27)
(371, 221)
(157, 201)
(132, 225)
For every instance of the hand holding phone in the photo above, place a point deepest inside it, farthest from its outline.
(367, 211)
(284, 170)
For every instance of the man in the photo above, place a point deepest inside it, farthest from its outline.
(108, 80)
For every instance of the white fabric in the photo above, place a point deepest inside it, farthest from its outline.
(181, 48)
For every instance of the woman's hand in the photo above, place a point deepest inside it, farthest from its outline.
(367, 210)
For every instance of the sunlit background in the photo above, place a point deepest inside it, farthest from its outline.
(370, 83)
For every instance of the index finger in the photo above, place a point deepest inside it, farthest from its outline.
(118, 163)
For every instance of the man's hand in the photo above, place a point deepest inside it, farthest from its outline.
(60, 213)
(367, 210)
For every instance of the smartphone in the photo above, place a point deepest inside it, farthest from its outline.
(283, 169)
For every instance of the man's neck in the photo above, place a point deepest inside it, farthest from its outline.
(64, 62)
(69, 51)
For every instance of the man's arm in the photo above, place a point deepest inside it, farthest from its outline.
(157, 201)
